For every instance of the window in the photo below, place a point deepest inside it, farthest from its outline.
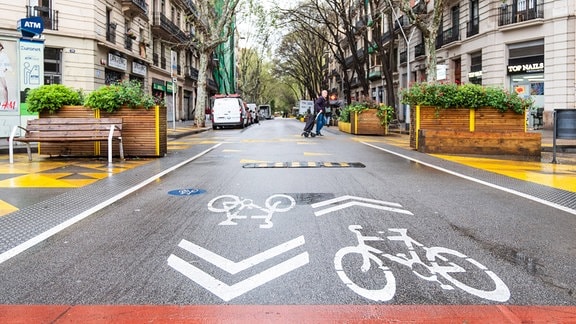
(52, 65)
(43, 8)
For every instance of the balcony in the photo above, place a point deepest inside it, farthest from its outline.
(510, 14)
(448, 36)
(49, 16)
(403, 57)
(419, 50)
(111, 33)
(388, 36)
(166, 29)
(135, 7)
(128, 43)
(375, 73)
(473, 27)
(191, 73)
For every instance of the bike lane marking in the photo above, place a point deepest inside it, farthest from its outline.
(429, 314)
(58, 228)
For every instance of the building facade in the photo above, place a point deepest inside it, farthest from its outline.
(527, 46)
(90, 44)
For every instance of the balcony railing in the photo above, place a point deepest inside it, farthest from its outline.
(510, 14)
(448, 36)
(135, 7)
(111, 33)
(419, 50)
(168, 27)
(191, 72)
(155, 59)
(163, 63)
(375, 72)
(49, 16)
(128, 43)
(473, 27)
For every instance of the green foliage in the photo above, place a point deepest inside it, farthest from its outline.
(463, 96)
(52, 97)
(384, 113)
(126, 93)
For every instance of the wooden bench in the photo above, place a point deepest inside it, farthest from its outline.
(63, 130)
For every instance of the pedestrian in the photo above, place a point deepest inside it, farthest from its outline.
(4, 67)
(319, 109)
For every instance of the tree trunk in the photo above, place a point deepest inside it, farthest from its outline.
(201, 98)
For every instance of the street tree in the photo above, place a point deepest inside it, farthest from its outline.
(212, 25)
(348, 27)
(255, 35)
(428, 23)
(301, 58)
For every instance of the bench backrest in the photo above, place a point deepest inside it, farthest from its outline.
(73, 127)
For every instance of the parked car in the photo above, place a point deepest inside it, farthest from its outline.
(228, 111)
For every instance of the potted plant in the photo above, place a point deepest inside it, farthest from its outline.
(469, 119)
(366, 118)
(144, 122)
(50, 98)
(112, 97)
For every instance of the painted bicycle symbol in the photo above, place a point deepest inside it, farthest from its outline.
(237, 208)
(439, 266)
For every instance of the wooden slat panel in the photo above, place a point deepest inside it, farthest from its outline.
(522, 144)
(491, 120)
(444, 119)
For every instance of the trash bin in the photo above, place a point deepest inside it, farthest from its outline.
(564, 126)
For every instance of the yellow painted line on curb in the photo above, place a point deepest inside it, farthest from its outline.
(559, 176)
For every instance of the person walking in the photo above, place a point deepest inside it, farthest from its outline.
(319, 109)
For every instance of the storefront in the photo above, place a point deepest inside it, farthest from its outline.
(526, 72)
(139, 72)
(116, 68)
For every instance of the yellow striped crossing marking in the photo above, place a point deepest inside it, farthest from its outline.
(302, 164)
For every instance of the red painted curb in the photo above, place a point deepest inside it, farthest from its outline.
(10, 314)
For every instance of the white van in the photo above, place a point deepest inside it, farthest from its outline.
(265, 111)
(228, 111)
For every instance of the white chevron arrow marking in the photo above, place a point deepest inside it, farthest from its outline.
(358, 201)
(228, 292)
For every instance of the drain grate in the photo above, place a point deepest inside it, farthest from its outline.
(303, 164)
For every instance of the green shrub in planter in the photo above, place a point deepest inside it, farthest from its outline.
(126, 93)
(385, 113)
(52, 97)
(441, 95)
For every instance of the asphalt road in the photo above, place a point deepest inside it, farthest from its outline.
(263, 216)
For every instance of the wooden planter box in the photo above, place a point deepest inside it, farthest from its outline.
(144, 133)
(472, 131)
(344, 127)
(366, 123)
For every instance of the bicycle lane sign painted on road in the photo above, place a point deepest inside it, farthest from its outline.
(236, 209)
(442, 261)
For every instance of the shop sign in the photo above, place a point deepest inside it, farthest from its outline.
(475, 74)
(159, 87)
(30, 27)
(169, 87)
(117, 62)
(533, 64)
(139, 69)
